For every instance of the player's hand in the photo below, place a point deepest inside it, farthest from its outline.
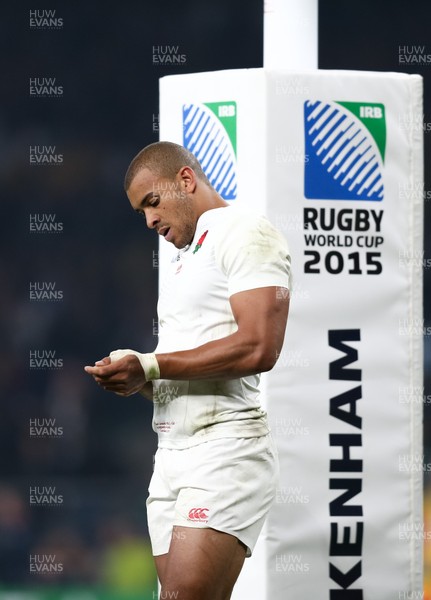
(123, 377)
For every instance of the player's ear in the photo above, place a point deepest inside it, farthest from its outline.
(187, 179)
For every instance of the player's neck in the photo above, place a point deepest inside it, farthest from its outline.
(209, 199)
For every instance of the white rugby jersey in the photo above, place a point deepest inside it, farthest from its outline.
(232, 251)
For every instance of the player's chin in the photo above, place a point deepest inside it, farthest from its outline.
(178, 242)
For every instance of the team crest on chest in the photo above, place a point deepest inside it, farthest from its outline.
(200, 242)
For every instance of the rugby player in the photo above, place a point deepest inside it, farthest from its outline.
(222, 314)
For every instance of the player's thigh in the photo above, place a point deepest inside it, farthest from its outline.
(203, 563)
(160, 562)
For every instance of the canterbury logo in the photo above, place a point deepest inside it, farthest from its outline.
(198, 514)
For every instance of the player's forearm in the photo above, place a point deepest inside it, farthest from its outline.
(229, 357)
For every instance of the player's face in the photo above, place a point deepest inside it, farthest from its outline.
(165, 205)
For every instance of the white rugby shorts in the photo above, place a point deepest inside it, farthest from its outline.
(227, 484)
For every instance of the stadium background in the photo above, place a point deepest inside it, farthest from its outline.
(95, 466)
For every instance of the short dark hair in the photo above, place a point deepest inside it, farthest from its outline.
(164, 159)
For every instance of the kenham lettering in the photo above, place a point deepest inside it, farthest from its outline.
(343, 407)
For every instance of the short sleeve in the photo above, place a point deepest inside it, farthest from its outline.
(252, 253)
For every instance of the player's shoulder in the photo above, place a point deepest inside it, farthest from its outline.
(245, 242)
(229, 218)
(241, 224)
(244, 232)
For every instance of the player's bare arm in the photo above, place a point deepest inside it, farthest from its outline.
(261, 316)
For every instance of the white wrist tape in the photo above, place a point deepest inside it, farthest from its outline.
(148, 362)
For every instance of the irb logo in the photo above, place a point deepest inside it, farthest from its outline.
(227, 110)
(209, 132)
(371, 112)
(345, 145)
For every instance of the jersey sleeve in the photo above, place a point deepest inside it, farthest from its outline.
(252, 254)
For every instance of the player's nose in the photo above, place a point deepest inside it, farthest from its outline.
(152, 218)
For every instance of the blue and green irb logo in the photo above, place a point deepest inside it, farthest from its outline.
(209, 132)
(345, 147)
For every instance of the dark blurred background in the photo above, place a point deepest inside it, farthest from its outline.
(74, 461)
